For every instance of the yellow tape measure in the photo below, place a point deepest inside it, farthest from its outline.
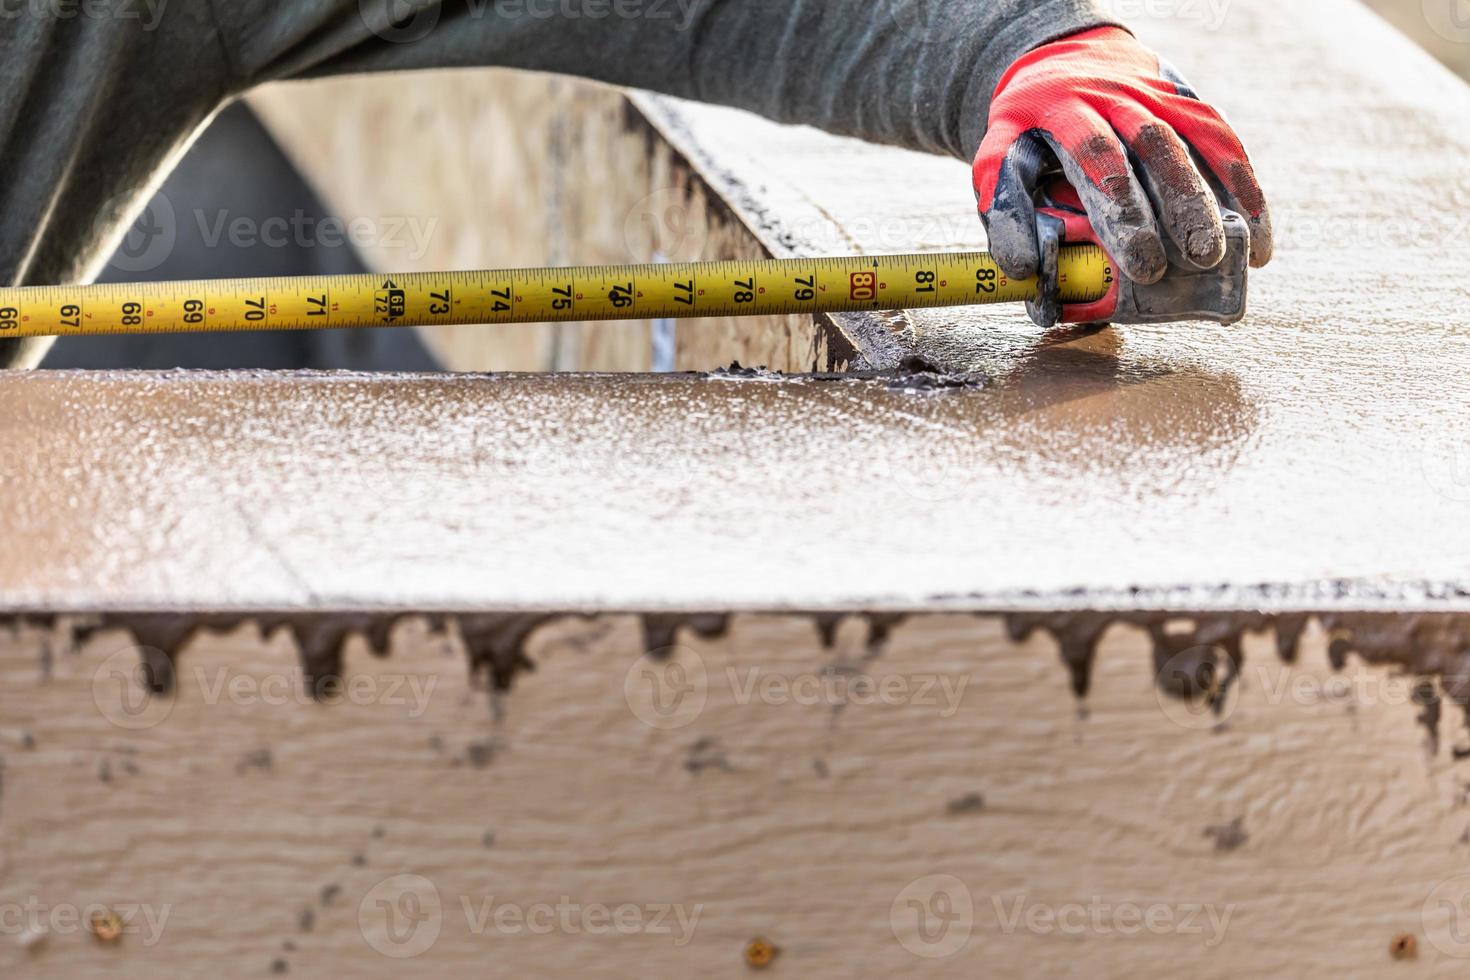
(614, 292)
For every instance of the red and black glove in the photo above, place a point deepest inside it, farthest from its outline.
(1132, 137)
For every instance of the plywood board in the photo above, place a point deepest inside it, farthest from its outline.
(933, 805)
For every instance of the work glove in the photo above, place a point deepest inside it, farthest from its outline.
(1134, 140)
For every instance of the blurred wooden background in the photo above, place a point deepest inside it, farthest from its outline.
(1440, 26)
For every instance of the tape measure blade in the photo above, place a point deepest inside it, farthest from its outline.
(735, 288)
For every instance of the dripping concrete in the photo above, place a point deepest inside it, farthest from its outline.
(1196, 656)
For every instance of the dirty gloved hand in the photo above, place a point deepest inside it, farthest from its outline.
(1146, 157)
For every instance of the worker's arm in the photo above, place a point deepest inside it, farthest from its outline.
(1042, 81)
(916, 73)
(96, 102)
(95, 105)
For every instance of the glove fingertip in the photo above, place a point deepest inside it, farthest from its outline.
(1017, 259)
(1263, 241)
(1142, 257)
(1018, 266)
(1013, 243)
(1204, 244)
(1044, 315)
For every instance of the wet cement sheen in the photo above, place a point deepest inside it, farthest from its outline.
(1080, 486)
(1080, 476)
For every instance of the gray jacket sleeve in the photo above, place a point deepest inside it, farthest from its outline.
(916, 73)
(96, 102)
(98, 99)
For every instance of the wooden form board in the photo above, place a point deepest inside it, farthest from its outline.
(424, 826)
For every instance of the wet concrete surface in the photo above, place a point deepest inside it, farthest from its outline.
(1106, 478)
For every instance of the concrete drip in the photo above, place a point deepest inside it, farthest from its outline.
(1196, 656)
